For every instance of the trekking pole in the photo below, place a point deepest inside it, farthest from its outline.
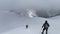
(41, 29)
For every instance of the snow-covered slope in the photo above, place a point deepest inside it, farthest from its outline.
(13, 24)
(9, 21)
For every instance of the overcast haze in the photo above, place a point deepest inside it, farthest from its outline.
(30, 4)
(43, 7)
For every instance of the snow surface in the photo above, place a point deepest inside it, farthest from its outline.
(10, 23)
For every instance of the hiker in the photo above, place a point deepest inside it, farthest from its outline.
(26, 26)
(45, 27)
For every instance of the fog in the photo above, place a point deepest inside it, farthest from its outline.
(38, 4)
(45, 8)
(6, 4)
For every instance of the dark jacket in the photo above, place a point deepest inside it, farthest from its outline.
(45, 25)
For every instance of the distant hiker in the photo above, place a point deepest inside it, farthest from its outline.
(26, 26)
(45, 27)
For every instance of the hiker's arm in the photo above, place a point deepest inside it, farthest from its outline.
(43, 26)
(48, 25)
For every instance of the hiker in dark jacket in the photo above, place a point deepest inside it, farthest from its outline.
(45, 27)
(26, 26)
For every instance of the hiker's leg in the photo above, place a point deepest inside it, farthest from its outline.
(46, 31)
(43, 31)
